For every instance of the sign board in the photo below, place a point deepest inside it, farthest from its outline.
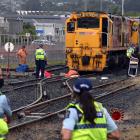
(27, 34)
(39, 31)
(9, 47)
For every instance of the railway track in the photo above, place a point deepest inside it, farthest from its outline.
(27, 92)
(23, 82)
(23, 95)
(42, 119)
(21, 79)
(45, 87)
(48, 91)
(128, 105)
(57, 69)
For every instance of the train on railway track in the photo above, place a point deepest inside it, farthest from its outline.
(98, 40)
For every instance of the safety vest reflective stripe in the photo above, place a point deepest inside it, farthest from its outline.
(3, 136)
(40, 54)
(88, 126)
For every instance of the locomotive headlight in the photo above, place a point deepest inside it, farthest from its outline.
(68, 50)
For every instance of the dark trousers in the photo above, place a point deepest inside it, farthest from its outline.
(40, 66)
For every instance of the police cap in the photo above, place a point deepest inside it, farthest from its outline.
(82, 84)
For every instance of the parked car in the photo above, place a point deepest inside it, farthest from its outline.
(43, 42)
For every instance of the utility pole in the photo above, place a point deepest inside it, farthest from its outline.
(122, 40)
(86, 5)
(101, 5)
(12, 5)
(122, 7)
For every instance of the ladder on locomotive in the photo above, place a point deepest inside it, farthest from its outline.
(133, 67)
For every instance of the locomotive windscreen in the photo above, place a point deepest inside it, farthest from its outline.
(88, 22)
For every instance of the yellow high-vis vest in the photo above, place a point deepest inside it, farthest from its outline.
(129, 52)
(84, 130)
(40, 54)
(3, 129)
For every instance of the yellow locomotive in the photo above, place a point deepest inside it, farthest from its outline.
(96, 40)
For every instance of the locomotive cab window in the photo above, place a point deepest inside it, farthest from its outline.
(104, 31)
(70, 27)
(88, 22)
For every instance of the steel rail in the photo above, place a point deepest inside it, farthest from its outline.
(41, 91)
(39, 99)
(69, 95)
(62, 110)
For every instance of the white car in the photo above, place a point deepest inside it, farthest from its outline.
(43, 42)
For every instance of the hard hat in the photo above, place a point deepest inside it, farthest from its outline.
(82, 84)
(71, 73)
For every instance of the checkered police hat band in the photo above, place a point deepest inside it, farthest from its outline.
(81, 86)
(75, 89)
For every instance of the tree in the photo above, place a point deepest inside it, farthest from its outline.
(28, 28)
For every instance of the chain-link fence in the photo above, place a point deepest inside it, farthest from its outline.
(54, 46)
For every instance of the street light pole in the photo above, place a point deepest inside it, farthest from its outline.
(122, 7)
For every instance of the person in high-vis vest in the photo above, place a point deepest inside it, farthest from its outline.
(40, 60)
(130, 51)
(132, 60)
(87, 119)
(5, 111)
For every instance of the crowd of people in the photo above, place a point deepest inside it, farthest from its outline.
(5, 109)
(40, 62)
(85, 118)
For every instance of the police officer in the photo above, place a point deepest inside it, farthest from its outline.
(40, 60)
(87, 119)
(5, 111)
